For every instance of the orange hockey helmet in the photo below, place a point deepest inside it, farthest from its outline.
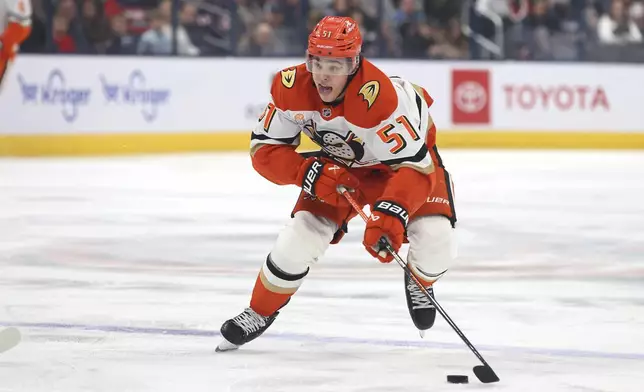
(334, 39)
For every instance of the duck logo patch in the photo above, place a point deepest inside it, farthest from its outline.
(288, 77)
(369, 92)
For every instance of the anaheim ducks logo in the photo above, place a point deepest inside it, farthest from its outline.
(344, 149)
(288, 77)
(369, 92)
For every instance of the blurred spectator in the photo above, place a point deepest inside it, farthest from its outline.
(320, 4)
(567, 35)
(291, 10)
(444, 10)
(264, 43)
(550, 32)
(589, 18)
(501, 22)
(271, 27)
(157, 40)
(615, 27)
(37, 40)
(249, 12)
(339, 8)
(188, 14)
(450, 44)
(188, 20)
(153, 41)
(409, 12)
(416, 33)
(66, 9)
(165, 10)
(120, 42)
(546, 30)
(96, 28)
(112, 8)
(389, 35)
(281, 17)
(67, 32)
(636, 13)
(63, 41)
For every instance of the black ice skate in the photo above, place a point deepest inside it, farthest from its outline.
(421, 310)
(243, 328)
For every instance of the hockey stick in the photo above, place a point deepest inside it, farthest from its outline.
(3, 72)
(9, 338)
(4, 69)
(484, 372)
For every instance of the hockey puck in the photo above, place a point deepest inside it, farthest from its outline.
(457, 379)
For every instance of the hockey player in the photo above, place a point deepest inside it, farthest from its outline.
(378, 140)
(15, 26)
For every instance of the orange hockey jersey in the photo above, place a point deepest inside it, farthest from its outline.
(382, 122)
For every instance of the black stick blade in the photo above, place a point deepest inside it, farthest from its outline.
(485, 374)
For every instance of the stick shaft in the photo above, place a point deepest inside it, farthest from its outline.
(409, 273)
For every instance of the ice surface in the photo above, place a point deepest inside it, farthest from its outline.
(120, 271)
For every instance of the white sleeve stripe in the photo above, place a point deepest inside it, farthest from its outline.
(19, 18)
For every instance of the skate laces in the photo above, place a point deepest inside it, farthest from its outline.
(418, 298)
(250, 321)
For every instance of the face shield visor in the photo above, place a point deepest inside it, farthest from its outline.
(342, 66)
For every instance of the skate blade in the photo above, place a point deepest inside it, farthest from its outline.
(225, 345)
(421, 332)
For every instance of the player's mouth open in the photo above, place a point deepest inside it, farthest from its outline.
(324, 89)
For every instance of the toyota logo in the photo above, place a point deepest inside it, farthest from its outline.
(470, 97)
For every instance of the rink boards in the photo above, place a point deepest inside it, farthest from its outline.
(96, 105)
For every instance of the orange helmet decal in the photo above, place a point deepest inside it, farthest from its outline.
(337, 36)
